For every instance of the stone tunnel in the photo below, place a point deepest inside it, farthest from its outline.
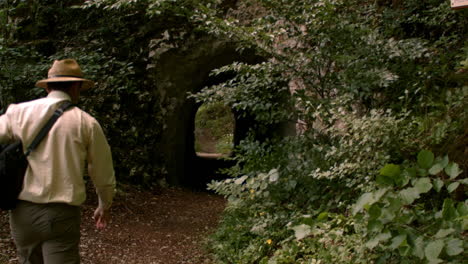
(176, 73)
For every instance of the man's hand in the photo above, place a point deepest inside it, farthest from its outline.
(101, 217)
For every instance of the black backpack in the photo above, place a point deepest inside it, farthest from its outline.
(13, 163)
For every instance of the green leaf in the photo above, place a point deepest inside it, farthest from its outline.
(453, 186)
(409, 195)
(322, 216)
(433, 250)
(377, 239)
(462, 209)
(365, 199)
(448, 210)
(406, 218)
(438, 184)
(390, 170)
(394, 203)
(410, 172)
(444, 232)
(379, 193)
(454, 247)
(453, 170)
(464, 223)
(384, 180)
(418, 249)
(375, 211)
(423, 185)
(442, 161)
(405, 251)
(398, 241)
(436, 169)
(374, 226)
(402, 180)
(422, 172)
(425, 159)
(387, 215)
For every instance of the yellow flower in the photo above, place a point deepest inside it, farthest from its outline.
(269, 241)
(252, 191)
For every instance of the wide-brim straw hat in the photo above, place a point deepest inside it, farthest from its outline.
(66, 70)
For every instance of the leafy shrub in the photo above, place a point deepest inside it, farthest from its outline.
(416, 215)
(315, 182)
(21, 68)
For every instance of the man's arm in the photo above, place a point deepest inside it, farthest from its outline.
(6, 133)
(101, 171)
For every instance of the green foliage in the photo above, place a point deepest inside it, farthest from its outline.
(18, 74)
(403, 221)
(372, 84)
(258, 91)
(110, 51)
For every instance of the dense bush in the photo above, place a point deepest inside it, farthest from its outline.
(372, 84)
(416, 215)
(111, 52)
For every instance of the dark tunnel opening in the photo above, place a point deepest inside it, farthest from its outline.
(179, 73)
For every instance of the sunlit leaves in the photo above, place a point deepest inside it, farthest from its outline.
(439, 165)
(301, 231)
(433, 250)
(452, 170)
(436, 169)
(423, 185)
(444, 232)
(454, 247)
(453, 186)
(418, 249)
(409, 195)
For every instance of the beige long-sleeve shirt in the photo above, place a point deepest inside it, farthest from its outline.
(56, 167)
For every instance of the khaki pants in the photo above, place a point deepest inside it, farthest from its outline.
(46, 233)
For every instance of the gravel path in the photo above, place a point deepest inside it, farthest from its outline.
(167, 226)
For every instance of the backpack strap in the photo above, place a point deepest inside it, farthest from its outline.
(45, 129)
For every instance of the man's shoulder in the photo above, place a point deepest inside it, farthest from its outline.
(87, 117)
(15, 107)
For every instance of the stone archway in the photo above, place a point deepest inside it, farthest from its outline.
(180, 71)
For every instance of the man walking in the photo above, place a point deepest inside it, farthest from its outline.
(45, 225)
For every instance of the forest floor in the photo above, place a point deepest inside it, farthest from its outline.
(167, 226)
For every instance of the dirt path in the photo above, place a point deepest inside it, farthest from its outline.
(167, 226)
